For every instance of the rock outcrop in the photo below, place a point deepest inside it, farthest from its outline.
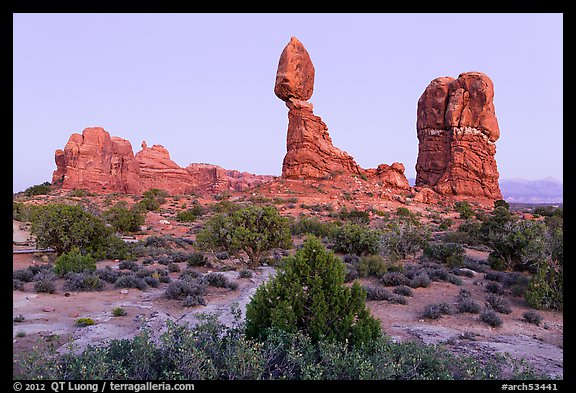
(97, 162)
(310, 152)
(457, 130)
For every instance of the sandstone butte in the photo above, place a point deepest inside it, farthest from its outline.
(96, 161)
(310, 152)
(457, 130)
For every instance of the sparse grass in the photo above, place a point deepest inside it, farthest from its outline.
(118, 312)
(21, 334)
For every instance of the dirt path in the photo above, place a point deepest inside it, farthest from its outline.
(19, 235)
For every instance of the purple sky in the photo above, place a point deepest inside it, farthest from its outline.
(202, 85)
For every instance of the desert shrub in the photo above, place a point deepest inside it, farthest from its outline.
(17, 285)
(498, 303)
(212, 350)
(489, 316)
(420, 280)
(118, 312)
(451, 254)
(402, 290)
(83, 282)
(24, 275)
(397, 299)
(312, 226)
(73, 261)
(435, 311)
(403, 238)
(376, 293)
(372, 265)
(465, 303)
(190, 274)
(454, 279)
(173, 267)
(393, 279)
(437, 273)
(462, 272)
(255, 230)
(152, 281)
(38, 189)
(351, 273)
(197, 259)
(546, 288)
(220, 281)
(464, 209)
(83, 322)
(123, 219)
(45, 286)
(355, 216)
(190, 291)
(245, 273)
(191, 214)
(63, 227)
(533, 317)
(19, 318)
(495, 276)
(445, 224)
(355, 239)
(128, 265)
(476, 265)
(405, 214)
(130, 281)
(45, 274)
(222, 255)
(494, 287)
(315, 277)
(107, 274)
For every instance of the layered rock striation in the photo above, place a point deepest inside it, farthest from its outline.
(457, 130)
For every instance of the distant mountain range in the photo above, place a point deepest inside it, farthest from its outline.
(547, 190)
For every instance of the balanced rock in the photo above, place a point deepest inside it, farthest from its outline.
(457, 130)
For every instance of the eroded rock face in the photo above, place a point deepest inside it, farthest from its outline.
(457, 130)
(310, 152)
(97, 162)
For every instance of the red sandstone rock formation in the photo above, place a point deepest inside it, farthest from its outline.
(157, 170)
(97, 162)
(457, 131)
(310, 152)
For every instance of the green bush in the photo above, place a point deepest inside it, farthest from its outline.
(73, 261)
(39, 189)
(546, 288)
(118, 312)
(464, 209)
(451, 254)
(191, 214)
(312, 226)
(83, 322)
(355, 216)
(78, 193)
(403, 238)
(62, 227)
(352, 238)
(308, 294)
(212, 350)
(372, 265)
(123, 219)
(255, 230)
